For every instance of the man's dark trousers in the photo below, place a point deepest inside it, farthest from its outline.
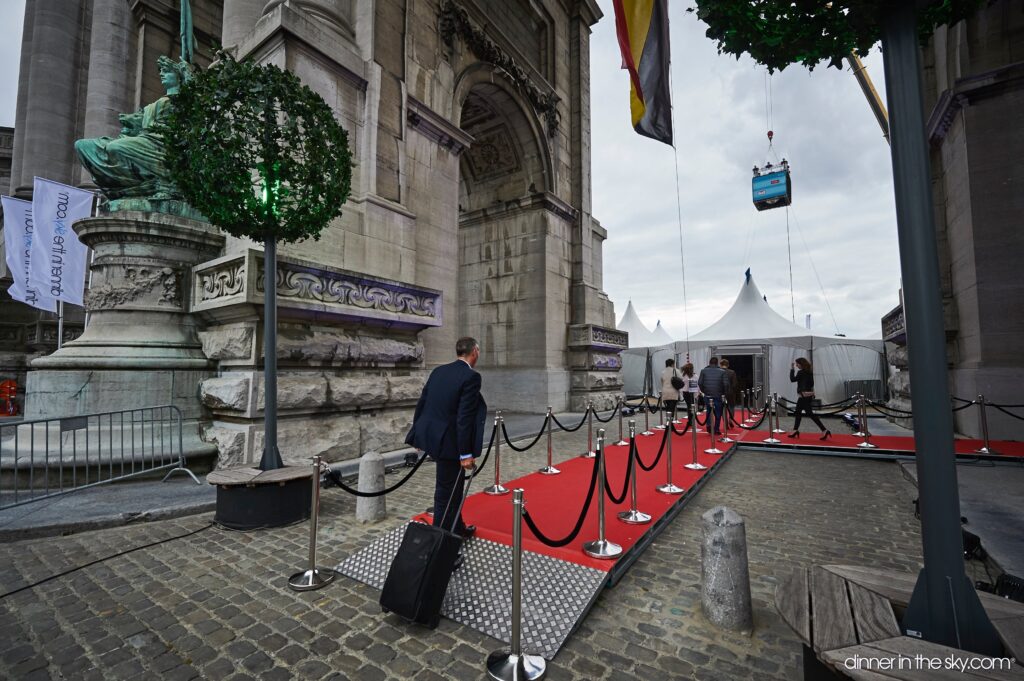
(448, 488)
(716, 407)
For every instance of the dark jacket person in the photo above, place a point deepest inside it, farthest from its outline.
(714, 383)
(448, 426)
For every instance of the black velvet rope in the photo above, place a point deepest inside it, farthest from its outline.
(955, 409)
(661, 449)
(625, 484)
(336, 479)
(556, 543)
(615, 409)
(760, 420)
(504, 432)
(574, 428)
(1010, 414)
(487, 455)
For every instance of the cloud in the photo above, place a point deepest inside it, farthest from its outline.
(12, 15)
(843, 207)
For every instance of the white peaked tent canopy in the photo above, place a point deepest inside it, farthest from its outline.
(639, 335)
(660, 335)
(751, 327)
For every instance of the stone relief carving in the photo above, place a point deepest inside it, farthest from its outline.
(139, 282)
(454, 22)
(223, 282)
(598, 336)
(492, 154)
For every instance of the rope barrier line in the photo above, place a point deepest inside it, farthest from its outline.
(611, 415)
(759, 421)
(1010, 414)
(618, 499)
(336, 479)
(661, 450)
(569, 538)
(574, 428)
(504, 432)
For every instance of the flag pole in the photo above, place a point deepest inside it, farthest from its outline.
(60, 324)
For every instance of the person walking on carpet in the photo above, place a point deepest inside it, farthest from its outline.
(449, 426)
(670, 388)
(803, 375)
(714, 383)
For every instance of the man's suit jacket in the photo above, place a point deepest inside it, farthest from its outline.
(450, 414)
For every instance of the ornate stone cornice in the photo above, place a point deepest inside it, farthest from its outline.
(433, 125)
(971, 90)
(454, 22)
(233, 286)
(542, 200)
(598, 337)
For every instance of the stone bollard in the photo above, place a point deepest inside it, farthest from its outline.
(726, 581)
(371, 479)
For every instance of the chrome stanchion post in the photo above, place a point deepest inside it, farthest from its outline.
(694, 465)
(775, 405)
(497, 488)
(633, 516)
(314, 577)
(771, 407)
(983, 422)
(513, 665)
(647, 417)
(725, 413)
(661, 414)
(668, 487)
(866, 444)
(711, 429)
(549, 469)
(590, 432)
(601, 547)
(622, 439)
(862, 427)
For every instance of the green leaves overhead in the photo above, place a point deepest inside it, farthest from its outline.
(777, 33)
(257, 152)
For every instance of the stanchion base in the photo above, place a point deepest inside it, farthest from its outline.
(859, 434)
(658, 428)
(696, 466)
(726, 439)
(621, 443)
(504, 666)
(772, 440)
(310, 580)
(602, 548)
(633, 517)
(647, 433)
(496, 490)
(866, 445)
(549, 470)
(669, 488)
(588, 455)
(778, 430)
(713, 450)
(985, 450)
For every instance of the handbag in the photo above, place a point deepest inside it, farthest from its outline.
(677, 383)
(807, 393)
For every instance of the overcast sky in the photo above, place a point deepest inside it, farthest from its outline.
(842, 221)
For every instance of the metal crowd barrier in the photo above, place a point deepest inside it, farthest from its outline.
(44, 458)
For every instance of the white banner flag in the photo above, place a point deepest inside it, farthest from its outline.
(19, 233)
(58, 257)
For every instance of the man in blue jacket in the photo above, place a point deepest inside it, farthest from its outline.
(449, 426)
(714, 383)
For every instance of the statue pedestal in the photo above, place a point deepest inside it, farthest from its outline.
(141, 346)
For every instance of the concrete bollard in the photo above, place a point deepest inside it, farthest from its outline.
(371, 479)
(725, 578)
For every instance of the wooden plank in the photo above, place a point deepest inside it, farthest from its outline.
(232, 476)
(285, 474)
(905, 645)
(832, 624)
(872, 615)
(898, 586)
(904, 652)
(1011, 632)
(792, 600)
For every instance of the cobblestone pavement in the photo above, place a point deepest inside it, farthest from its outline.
(214, 604)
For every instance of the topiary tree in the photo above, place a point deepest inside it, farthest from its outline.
(262, 156)
(944, 607)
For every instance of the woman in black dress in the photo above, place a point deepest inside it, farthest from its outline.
(802, 375)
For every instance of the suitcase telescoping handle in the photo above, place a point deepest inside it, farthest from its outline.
(465, 493)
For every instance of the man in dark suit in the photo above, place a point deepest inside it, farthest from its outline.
(449, 426)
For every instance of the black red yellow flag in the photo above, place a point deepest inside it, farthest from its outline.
(642, 28)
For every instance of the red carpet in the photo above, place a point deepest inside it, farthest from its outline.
(555, 501)
(809, 439)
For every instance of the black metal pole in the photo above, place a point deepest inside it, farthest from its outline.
(944, 607)
(271, 457)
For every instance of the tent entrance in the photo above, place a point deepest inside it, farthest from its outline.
(750, 362)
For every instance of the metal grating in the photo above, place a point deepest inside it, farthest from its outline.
(556, 594)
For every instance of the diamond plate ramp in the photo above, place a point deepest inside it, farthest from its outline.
(556, 595)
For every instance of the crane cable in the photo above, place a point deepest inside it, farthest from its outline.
(679, 211)
(769, 119)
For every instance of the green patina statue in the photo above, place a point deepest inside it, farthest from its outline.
(130, 169)
(132, 164)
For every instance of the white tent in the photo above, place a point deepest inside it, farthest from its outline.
(639, 335)
(751, 329)
(660, 335)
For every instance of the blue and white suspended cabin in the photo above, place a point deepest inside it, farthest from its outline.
(772, 187)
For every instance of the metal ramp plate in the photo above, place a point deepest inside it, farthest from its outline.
(556, 594)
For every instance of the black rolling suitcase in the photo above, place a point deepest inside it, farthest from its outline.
(419, 574)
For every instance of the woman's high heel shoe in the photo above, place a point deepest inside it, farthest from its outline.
(826, 435)
(795, 434)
